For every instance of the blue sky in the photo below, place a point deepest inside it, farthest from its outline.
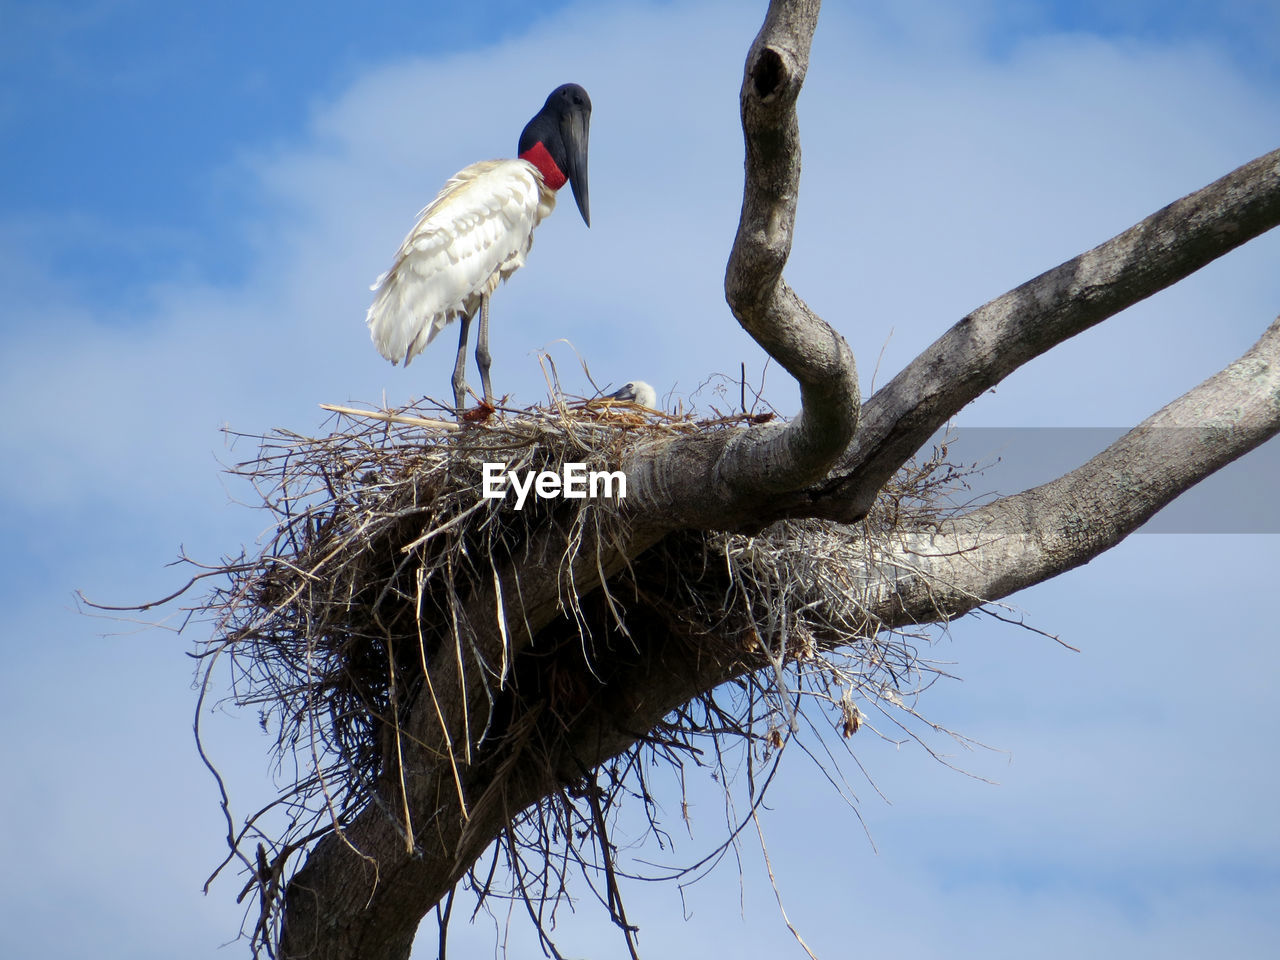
(132, 111)
(192, 207)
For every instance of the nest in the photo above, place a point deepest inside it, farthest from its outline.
(377, 534)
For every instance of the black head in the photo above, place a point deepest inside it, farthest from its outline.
(562, 127)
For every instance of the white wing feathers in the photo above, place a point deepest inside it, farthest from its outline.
(475, 233)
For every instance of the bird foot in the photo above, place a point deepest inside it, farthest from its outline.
(481, 412)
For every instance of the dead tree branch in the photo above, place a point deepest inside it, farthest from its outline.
(987, 345)
(1029, 537)
(724, 483)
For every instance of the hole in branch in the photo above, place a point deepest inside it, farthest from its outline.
(767, 73)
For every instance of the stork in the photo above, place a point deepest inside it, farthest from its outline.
(637, 391)
(477, 232)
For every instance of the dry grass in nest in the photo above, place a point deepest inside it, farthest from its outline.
(378, 528)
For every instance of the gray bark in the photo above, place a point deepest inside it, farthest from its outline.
(1031, 536)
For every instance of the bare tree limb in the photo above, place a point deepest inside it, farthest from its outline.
(724, 482)
(768, 309)
(1032, 536)
(993, 341)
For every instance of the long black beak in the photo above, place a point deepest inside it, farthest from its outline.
(574, 130)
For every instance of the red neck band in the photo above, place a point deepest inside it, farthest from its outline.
(540, 158)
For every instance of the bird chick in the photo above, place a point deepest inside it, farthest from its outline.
(637, 391)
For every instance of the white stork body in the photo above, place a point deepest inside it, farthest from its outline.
(475, 233)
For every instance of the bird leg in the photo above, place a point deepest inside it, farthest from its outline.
(482, 348)
(460, 365)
